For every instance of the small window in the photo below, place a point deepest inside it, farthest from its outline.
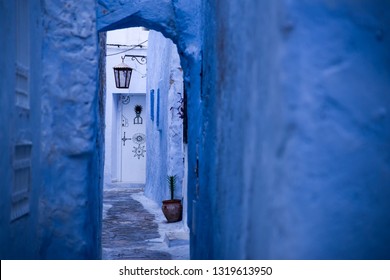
(152, 104)
(22, 180)
(22, 98)
(158, 110)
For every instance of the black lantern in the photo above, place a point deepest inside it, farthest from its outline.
(122, 73)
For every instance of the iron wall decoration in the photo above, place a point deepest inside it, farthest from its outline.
(139, 138)
(139, 151)
(125, 121)
(141, 59)
(138, 118)
(125, 99)
(124, 139)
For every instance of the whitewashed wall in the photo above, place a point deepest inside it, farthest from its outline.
(129, 37)
(164, 131)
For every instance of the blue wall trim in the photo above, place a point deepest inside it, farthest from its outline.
(158, 110)
(152, 104)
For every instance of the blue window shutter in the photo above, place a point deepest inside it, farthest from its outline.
(158, 109)
(152, 104)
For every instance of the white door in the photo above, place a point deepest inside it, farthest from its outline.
(133, 141)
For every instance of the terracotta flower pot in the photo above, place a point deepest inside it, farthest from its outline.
(172, 210)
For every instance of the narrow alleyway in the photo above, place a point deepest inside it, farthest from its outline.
(135, 228)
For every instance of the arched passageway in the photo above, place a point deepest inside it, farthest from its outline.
(167, 19)
(159, 93)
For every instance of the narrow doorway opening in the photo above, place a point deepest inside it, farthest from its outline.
(144, 145)
(125, 129)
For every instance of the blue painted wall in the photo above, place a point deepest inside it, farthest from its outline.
(19, 237)
(70, 205)
(64, 126)
(297, 92)
(164, 132)
(288, 126)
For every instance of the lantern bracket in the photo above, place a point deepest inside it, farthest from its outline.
(141, 59)
(122, 72)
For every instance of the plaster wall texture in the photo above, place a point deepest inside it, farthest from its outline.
(65, 212)
(71, 142)
(164, 133)
(299, 93)
(62, 123)
(130, 36)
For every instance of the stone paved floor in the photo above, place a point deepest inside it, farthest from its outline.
(135, 228)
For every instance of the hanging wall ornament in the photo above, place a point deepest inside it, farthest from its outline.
(139, 138)
(138, 118)
(139, 151)
(125, 99)
(124, 138)
(125, 121)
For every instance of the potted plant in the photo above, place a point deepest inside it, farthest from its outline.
(172, 208)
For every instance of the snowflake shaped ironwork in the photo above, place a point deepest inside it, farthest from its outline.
(139, 151)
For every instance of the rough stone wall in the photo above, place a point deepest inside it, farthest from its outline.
(302, 131)
(71, 141)
(164, 136)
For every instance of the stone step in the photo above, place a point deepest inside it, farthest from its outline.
(173, 239)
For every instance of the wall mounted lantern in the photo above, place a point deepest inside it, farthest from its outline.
(122, 72)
